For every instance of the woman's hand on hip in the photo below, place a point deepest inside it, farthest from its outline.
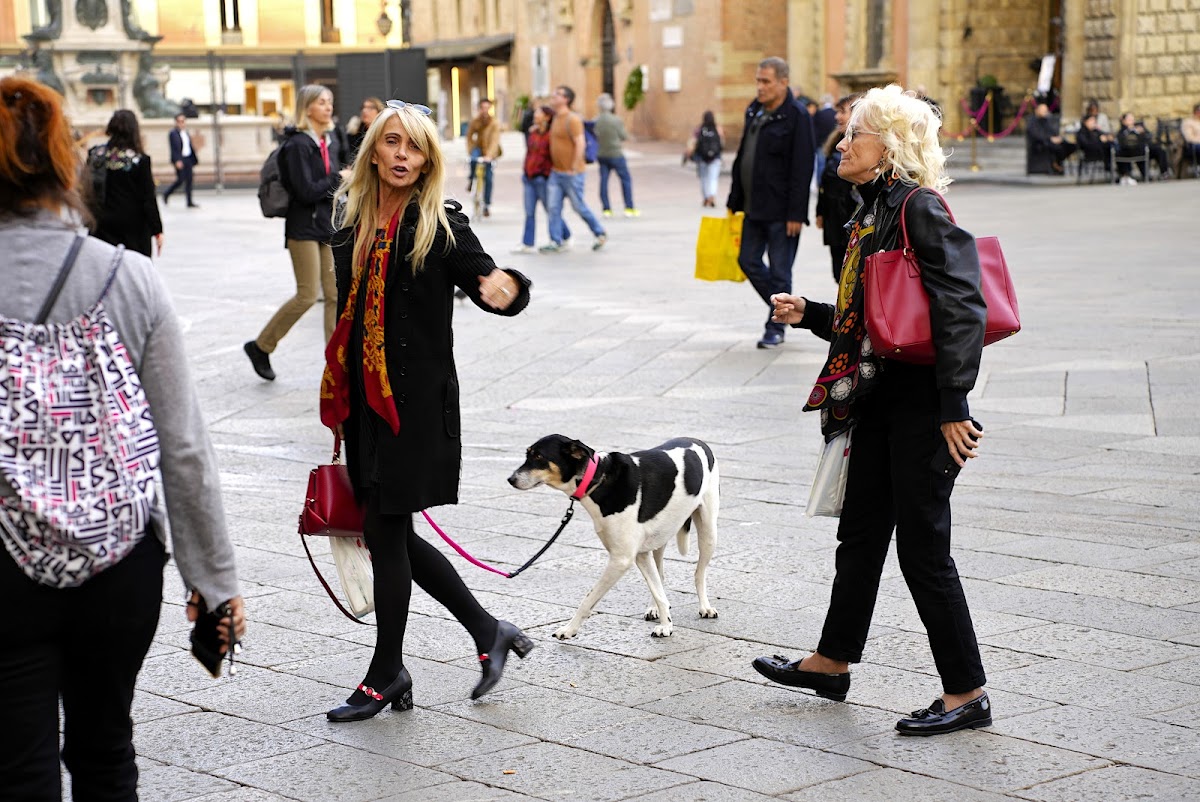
(498, 289)
(963, 439)
(787, 308)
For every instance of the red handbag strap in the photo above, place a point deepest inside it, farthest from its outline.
(325, 585)
(904, 225)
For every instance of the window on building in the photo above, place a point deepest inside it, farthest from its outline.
(230, 18)
(541, 71)
(878, 26)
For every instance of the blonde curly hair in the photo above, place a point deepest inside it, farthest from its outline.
(908, 128)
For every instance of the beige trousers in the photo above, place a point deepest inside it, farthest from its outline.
(313, 265)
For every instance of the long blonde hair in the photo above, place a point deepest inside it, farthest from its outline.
(304, 98)
(908, 128)
(360, 194)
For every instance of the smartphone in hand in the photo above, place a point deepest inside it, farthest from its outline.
(943, 463)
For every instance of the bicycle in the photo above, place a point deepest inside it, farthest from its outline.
(480, 177)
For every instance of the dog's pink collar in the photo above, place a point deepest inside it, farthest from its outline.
(588, 473)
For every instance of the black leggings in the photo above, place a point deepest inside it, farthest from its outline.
(399, 557)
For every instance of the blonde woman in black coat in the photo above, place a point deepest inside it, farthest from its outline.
(391, 388)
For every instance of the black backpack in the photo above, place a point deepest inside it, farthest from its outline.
(272, 194)
(708, 145)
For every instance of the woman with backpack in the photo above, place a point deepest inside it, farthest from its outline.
(704, 149)
(310, 166)
(122, 197)
(81, 571)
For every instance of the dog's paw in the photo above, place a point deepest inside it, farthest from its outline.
(566, 632)
(652, 614)
(661, 631)
(708, 612)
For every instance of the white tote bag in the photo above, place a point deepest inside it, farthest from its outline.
(829, 482)
(354, 572)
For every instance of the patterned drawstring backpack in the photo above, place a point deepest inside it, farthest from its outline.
(77, 442)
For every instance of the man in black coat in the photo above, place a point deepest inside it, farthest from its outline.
(771, 178)
(1046, 150)
(183, 156)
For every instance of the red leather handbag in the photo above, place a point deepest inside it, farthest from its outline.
(330, 510)
(897, 306)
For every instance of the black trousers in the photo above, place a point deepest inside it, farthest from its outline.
(85, 645)
(183, 177)
(891, 485)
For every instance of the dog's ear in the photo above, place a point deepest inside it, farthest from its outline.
(578, 451)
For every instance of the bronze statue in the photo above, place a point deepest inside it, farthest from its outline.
(147, 90)
(132, 29)
(92, 13)
(53, 28)
(43, 60)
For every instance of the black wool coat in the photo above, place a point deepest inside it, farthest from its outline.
(419, 467)
(310, 189)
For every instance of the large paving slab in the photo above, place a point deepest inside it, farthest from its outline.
(1077, 531)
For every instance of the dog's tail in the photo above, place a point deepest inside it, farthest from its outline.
(681, 538)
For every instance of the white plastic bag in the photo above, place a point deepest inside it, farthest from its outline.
(354, 573)
(829, 481)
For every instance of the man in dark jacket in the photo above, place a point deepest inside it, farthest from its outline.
(771, 178)
(183, 157)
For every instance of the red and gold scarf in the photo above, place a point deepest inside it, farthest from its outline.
(335, 383)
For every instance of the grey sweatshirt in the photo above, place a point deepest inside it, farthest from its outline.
(141, 310)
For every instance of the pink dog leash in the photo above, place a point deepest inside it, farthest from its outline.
(588, 474)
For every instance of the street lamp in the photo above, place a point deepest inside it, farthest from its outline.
(384, 23)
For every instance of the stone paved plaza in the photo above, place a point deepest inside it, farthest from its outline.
(1077, 531)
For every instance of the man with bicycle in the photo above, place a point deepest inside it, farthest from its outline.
(483, 145)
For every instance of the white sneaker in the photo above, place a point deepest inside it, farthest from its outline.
(1128, 181)
(566, 245)
(523, 248)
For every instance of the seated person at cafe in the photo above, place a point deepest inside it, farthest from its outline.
(1045, 149)
(1132, 141)
(1094, 145)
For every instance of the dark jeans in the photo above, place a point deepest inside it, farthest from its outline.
(85, 644)
(759, 237)
(607, 165)
(891, 486)
(183, 177)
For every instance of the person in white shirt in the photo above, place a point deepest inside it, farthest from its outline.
(183, 156)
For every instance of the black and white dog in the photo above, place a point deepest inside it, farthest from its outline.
(638, 502)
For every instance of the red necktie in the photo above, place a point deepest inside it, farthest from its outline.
(325, 155)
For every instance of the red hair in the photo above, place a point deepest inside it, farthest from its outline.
(38, 161)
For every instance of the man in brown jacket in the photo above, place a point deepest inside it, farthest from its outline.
(483, 144)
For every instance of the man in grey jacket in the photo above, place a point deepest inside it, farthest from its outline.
(610, 133)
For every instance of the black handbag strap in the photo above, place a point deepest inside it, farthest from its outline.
(63, 272)
(325, 585)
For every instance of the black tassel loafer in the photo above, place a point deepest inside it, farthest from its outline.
(508, 637)
(936, 719)
(788, 672)
(398, 695)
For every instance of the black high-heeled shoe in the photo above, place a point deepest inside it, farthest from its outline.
(492, 662)
(398, 695)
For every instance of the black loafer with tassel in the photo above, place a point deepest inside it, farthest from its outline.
(936, 719)
(788, 672)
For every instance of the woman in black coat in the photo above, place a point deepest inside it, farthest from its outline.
(310, 166)
(905, 417)
(391, 389)
(836, 198)
(127, 213)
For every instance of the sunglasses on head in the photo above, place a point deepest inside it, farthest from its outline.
(417, 107)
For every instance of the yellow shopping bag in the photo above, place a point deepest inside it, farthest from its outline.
(717, 248)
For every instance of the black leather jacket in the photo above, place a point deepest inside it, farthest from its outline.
(950, 273)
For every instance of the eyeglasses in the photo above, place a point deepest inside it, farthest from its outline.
(852, 132)
(417, 107)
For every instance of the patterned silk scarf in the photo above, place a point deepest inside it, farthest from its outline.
(852, 366)
(335, 383)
